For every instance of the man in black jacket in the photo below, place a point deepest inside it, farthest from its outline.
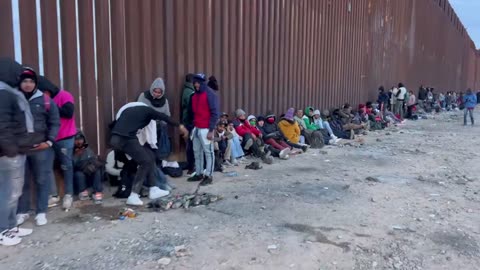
(131, 118)
(14, 115)
(40, 160)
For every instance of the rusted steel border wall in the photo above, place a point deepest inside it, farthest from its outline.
(266, 54)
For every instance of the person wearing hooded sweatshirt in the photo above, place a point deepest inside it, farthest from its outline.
(187, 93)
(470, 101)
(213, 83)
(205, 113)
(313, 136)
(87, 168)
(251, 137)
(273, 139)
(64, 143)
(290, 130)
(40, 160)
(15, 122)
(252, 120)
(155, 97)
(324, 125)
(130, 118)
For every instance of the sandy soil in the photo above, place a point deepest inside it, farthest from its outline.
(406, 199)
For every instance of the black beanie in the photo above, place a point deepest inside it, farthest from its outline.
(28, 73)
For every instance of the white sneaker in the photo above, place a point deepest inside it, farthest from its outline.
(53, 201)
(284, 154)
(134, 199)
(41, 219)
(156, 192)
(67, 201)
(21, 218)
(9, 239)
(20, 232)
(234, 162)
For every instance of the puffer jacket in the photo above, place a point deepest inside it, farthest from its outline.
(46, 121)
(12, 122)
(290, 130)
(84, 159)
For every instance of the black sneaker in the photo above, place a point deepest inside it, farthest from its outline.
(304, 148)
(207, 180)
(195, 178)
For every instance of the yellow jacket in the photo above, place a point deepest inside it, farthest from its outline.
(290, 130)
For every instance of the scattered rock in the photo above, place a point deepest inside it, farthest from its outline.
(379, 140)
(373, 179)
(373, 199)
(388, 133)
(272, 248)
(164, 261)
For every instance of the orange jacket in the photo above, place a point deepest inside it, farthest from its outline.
(290, 130)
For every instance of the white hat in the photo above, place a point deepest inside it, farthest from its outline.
(250, 117)
(316, 112)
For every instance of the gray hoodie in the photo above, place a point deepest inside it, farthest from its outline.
(159, 104)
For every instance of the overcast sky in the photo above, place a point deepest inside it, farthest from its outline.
(469, 13)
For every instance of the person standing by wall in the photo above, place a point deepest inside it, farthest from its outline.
(15, 122)
(204, 108)
(400, 103)
(40, 161)
(187, 93)
(469, 101)
(64, 143)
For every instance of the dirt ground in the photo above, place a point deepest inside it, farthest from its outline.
(406, 199)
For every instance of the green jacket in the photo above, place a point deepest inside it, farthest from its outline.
(186, 100)
(308, 120)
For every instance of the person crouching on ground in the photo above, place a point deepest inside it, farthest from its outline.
(87, 169)
(251, 140)
(470, 101)
(131, 118)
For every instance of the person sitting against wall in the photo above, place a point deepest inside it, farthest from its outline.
(251, 137)
(222, 146)
(323, 124)
(272, 136)
(238, 156)
(290, 130)
(346, 117)
(252, 120)
(88, 170)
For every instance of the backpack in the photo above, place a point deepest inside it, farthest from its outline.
(163, 143)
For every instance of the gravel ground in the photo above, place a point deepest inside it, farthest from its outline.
(405, 199)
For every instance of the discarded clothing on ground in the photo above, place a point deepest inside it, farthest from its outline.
(182, 201)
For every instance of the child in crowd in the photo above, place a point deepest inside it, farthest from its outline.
(237, 151)
(87, 169)
(223, 146)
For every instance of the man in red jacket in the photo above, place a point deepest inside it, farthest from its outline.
(204, 108)
(252, 137)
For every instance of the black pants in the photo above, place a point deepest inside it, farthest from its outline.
(255, 148)
(143, 156)
(190, 154)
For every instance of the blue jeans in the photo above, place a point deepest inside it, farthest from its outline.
(237, 151)
(466, 112)
(203, 150)
(39, 165)
(63, 151)
(84, 181)
(327, 126)
(12, 177)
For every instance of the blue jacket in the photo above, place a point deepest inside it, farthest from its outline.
(470, 101)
